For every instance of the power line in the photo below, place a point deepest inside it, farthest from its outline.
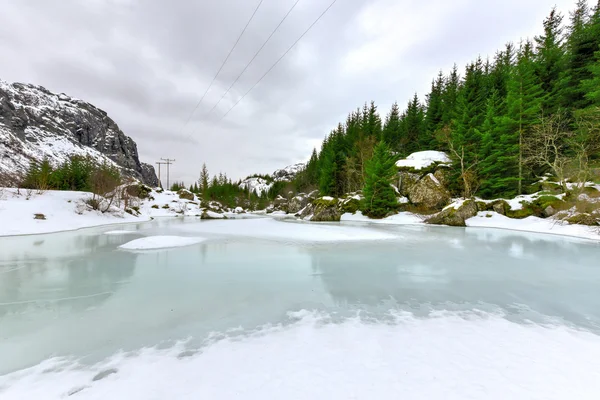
(168, 161)
(159, 164)
(280, 58)
(222, 65)
(255, 55)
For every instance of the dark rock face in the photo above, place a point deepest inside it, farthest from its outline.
(36, 123)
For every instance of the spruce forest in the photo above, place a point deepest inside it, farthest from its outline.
(533, 109)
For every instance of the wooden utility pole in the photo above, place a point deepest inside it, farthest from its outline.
(159, 164)
(168, 162)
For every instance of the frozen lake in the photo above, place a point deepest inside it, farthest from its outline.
(266, 309)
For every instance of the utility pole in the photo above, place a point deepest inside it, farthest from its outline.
(168, 161)
(159, 164)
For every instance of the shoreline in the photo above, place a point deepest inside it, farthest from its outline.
(590, 237)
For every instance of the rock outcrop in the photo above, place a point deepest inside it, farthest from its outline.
(36, 124)
(186, 194)
(428, 192)
(452, 216)
(326, 210)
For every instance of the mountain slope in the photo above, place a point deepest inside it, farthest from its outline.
(261, 185)
(36, 123)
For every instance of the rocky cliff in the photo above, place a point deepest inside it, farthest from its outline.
(36, 123)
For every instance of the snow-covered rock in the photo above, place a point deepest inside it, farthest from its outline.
(36, 124)
(423, 159)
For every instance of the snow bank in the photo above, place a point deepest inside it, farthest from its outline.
(123, 232)
(404, 218)
(423, 159)
(160, 242)
(489, 219)
(58, 211)
(449, 356)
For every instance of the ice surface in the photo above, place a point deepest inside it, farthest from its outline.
(267, 228)
(160, 242)
(123, 232)
(423, 159)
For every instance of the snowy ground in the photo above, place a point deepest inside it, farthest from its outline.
(62, 210)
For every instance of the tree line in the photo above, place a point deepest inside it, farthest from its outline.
(232, 194)
(532, 109)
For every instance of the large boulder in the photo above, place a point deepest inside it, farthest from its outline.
(350, 204)
(297, 203)
(452, 216)
(185, 194)
(326, 210)
(584, 219)
(428, 192)
(208, 214)
(280, 204)
(406, 181)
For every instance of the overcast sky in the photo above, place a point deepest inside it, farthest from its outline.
(148, 62)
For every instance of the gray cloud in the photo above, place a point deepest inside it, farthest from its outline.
(147, 63)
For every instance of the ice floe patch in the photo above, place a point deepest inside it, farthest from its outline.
(160, 242)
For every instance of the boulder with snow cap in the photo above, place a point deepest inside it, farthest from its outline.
(185, 194)
(455, 215)
(297, 203)
(326, 210)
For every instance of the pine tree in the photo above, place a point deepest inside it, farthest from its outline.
(327, 171)
(371, 121)
(204, 179)
(392, 128)
(471, 111)
(380, 197)
(550, 60)
(450, 97)
(581, 45)
(435, 111)
(524, 107)
(414, 126)
(591, 86)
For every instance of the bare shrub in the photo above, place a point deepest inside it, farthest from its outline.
(104, 182)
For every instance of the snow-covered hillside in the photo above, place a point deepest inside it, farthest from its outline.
(288, 173)
(262, 185)
(36, 124)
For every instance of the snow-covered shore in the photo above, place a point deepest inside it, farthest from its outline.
(23, 213)
(493, 220)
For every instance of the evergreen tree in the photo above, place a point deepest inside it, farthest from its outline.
(435, 111)
(591, 86)
(392, 128)
(371, 121)
(450, 97)
(471, 111)
(380, 197)
(550, 60)
(204, 179)
(414, 127)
